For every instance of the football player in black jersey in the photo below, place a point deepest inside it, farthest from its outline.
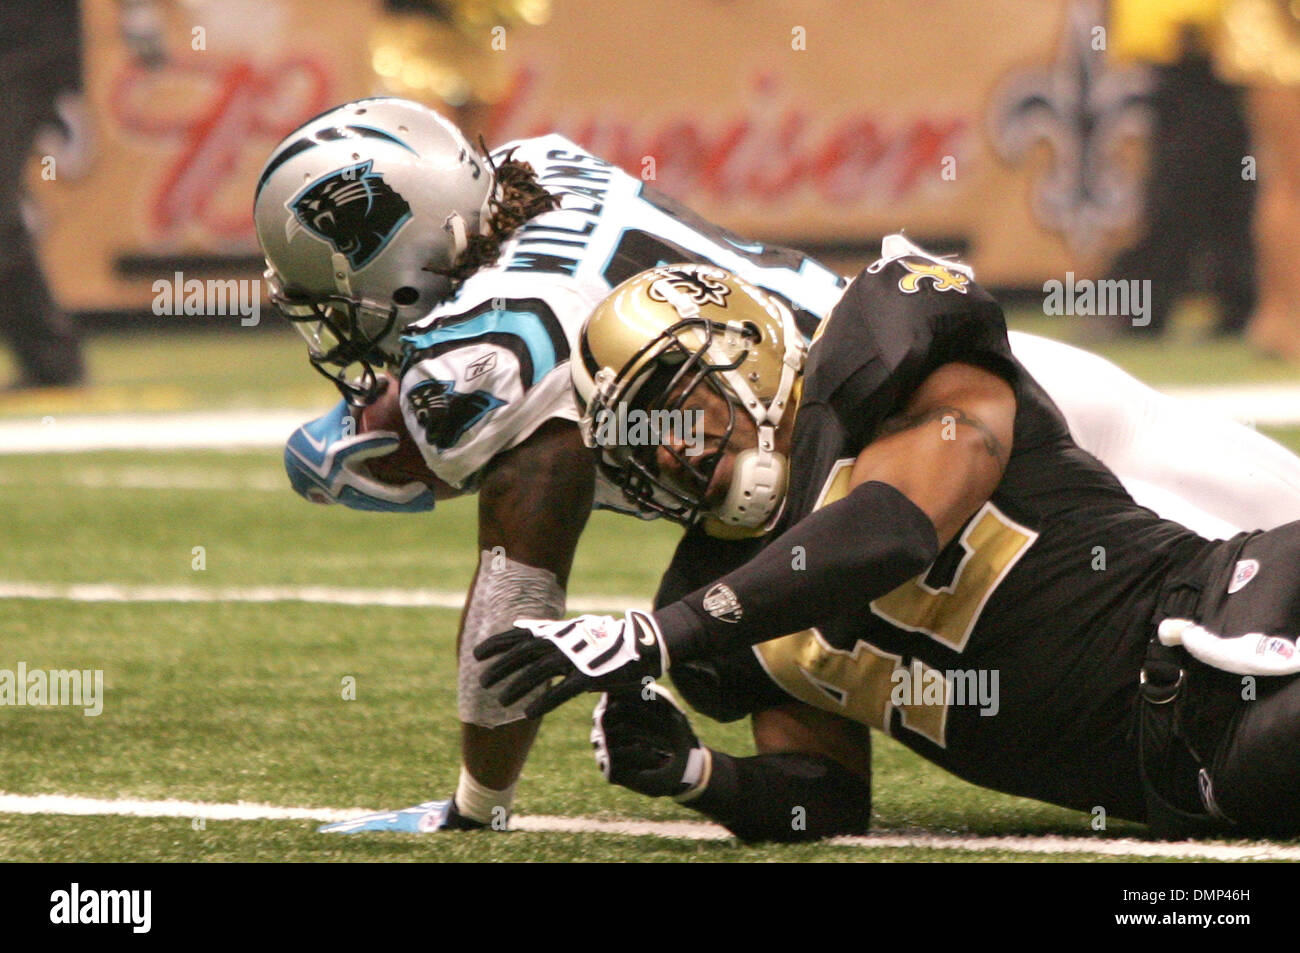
(954, 569)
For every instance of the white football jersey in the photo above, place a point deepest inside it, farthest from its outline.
(1211, 474)
(488, 366)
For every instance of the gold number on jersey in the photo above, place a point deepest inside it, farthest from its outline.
(993, 543)
(857, 684)
(860, 684)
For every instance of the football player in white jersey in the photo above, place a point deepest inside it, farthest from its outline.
(395, 246)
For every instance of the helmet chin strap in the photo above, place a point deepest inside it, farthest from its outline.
(759, 474)
(757, 483)
(456, 227)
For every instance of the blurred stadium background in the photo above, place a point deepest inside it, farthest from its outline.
(152, 535)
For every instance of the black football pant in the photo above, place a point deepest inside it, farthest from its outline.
(1249, 727)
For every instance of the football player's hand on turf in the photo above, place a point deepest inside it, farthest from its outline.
(644, 742)
(325, 460)
(592, 653)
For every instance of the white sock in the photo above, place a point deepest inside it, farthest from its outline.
(483, 804)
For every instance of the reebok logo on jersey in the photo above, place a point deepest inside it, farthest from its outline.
(481, 366)
(1246, 570)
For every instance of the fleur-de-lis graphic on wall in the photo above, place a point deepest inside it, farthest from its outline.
(1086, 109)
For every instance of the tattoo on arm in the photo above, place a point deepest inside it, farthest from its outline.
(946, 414)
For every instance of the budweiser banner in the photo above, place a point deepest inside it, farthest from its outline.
(175, 150)
(1004, 127)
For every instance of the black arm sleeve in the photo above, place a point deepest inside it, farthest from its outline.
(785, 797)
(834, 560)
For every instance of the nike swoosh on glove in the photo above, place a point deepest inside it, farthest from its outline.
(325, 460)
(592, 653)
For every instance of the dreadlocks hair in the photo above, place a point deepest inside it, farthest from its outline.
(520, 198)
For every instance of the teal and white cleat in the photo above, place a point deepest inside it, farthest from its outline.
(424, 818)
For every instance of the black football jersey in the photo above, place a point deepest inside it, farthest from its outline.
(1013, 661)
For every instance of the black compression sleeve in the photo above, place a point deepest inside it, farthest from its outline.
(834, 560)
(785, 797)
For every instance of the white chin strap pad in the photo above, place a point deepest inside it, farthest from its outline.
(757, 485)
(759, 475)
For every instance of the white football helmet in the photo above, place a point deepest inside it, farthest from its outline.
(358, 211)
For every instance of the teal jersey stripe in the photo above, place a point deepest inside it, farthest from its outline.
(525, 325)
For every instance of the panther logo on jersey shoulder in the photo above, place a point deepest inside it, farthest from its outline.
(698, 285)
(353, 209)
(943, 279)
(445, 414)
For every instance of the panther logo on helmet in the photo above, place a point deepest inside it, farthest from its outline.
(354, 210)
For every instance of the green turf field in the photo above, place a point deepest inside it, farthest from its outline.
(235, 701)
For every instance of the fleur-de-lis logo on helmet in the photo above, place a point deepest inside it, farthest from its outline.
(698, 285)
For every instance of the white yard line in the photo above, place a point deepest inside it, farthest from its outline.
(218, 430)
(79, 806)
(1268, 404)
(157, 478)
(1056, 844)
(332, 595)
(682, 830)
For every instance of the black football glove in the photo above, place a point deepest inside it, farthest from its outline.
(592, 653)
(644, 742)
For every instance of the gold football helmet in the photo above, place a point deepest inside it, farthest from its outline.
(648, 346)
